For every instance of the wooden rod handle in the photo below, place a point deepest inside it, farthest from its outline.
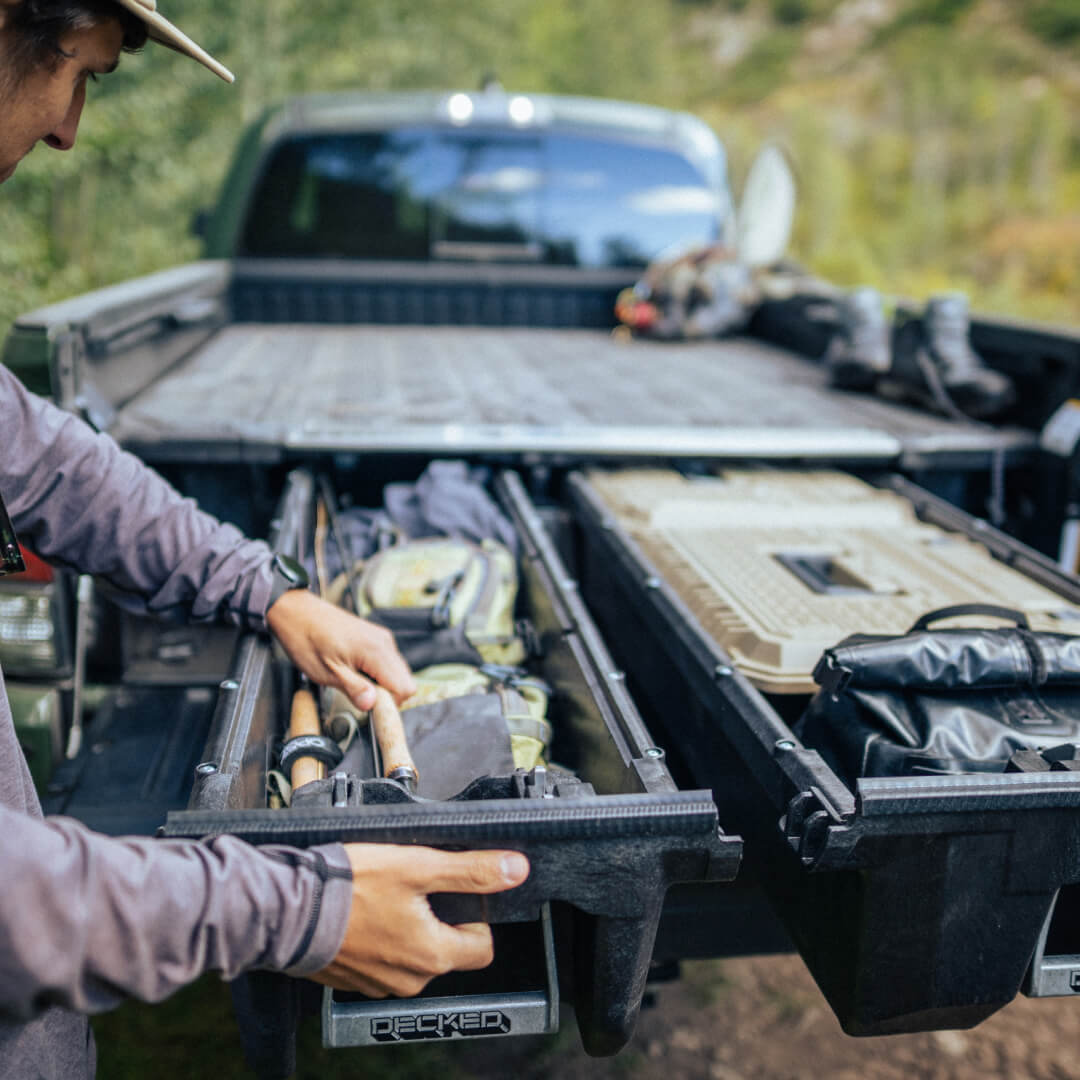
(390, 732)
(304, 720)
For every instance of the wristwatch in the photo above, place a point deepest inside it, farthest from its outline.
(288, 574)
(11, 560)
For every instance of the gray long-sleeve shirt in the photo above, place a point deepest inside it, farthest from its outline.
(86, 920)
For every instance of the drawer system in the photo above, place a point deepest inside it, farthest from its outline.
(916, 901)
(607, 832)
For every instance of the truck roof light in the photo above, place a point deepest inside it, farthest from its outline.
(522, 110)
(460, 108)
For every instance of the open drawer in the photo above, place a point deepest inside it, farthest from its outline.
(917, 902)
(605, 842)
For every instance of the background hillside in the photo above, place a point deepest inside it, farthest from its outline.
(937, 141)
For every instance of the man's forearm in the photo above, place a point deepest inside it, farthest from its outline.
(86, 920)
(74, 496)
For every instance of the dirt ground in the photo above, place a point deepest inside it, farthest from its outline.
(760, 1018)
(763, 1017)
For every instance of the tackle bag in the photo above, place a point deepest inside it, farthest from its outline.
(946, 701)
(523, 702)
(446, 600)
(465, 722)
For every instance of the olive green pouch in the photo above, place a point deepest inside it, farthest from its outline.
(523, 702)
(446, 600)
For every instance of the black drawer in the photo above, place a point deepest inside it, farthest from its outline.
(916, 902)
(604, 851)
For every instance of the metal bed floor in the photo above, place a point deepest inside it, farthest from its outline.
(277, 387)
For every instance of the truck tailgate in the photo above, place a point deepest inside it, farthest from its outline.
(266, 390)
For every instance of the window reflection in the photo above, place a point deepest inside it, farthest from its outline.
(419, 193)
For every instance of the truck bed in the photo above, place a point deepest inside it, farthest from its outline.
(264, 390)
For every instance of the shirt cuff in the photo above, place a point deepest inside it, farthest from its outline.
(332, 915)
(257, 601)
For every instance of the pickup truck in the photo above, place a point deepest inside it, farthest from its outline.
(393, 279)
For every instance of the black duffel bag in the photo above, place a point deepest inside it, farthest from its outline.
(940, 702)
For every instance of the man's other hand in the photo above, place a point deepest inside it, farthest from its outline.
(394, 944)
(332, 646)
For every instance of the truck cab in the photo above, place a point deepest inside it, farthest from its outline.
(489, 177)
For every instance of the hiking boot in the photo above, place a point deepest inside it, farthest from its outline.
(859, 350)
(934, 361)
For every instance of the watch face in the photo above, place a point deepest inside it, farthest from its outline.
(292, 571)
(11, 560)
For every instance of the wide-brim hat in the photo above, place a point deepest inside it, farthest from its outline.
(161, 30)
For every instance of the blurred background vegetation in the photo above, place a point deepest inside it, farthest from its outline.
(937, 141)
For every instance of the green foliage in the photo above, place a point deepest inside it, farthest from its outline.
(923, 13)
(933, 153)
(765, 68)
(943, 162)
(1056, 21)
(940, 12)
(788, 12)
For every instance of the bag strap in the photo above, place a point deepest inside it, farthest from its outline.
(924, 621)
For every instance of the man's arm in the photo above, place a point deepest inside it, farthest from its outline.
(88, 920)
(75, 497)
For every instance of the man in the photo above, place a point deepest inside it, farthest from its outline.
(86, 920)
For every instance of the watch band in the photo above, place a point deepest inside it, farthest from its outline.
(288, 574)
(11, 561)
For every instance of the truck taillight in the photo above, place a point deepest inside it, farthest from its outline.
(28, 630)
(37, 569)
(34, 621)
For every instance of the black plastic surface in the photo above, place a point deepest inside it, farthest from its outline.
(605, 845)
(916, 903)
(424, 295)
(137, 760)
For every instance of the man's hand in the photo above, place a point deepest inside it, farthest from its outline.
(394, 944)
(332, 646)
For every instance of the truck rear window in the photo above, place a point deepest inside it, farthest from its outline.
(422, 193)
